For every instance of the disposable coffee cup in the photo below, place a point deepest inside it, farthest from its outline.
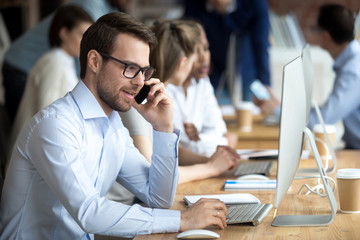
(319, 134)
(244, 116)
(348, 184)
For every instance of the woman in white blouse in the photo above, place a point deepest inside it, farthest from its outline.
(196, 110)
(54, 74)
(173, 58)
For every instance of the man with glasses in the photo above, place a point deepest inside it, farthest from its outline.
(70, 153)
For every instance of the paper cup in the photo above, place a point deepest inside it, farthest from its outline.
(244, 116)
(319, 133)
(348, 181)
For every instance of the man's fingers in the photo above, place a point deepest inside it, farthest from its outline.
(156, 89)
(159, 97)
(220, 219)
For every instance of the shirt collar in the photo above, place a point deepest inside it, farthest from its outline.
(193, 81)
(90, 107)
(352, 47)
(229, 9)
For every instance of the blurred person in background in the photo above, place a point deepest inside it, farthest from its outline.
(196, 111)
(24, 52)
(54, 74)
(249, 21)
(335, 33)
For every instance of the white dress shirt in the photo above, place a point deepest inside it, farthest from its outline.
(64, 162)
(201, 108)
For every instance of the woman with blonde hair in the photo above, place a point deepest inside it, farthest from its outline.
(196, 110)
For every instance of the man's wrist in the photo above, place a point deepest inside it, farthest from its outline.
(167, 129)
(213, 170)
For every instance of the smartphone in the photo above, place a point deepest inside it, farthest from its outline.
(144, 91)
(259, 90)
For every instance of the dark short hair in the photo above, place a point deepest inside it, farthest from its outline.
(68, 16)
(102, 34)
(338, 20)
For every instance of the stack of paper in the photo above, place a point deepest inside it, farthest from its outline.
(228, 199)
(250, 185)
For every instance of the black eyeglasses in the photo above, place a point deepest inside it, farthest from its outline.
(131, 70)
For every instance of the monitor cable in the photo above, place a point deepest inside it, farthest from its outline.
(319, 188)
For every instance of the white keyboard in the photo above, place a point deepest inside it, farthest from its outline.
(256, 167)
(248, 213)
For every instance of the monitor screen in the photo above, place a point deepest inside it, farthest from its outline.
(293, 120)
(308, 77)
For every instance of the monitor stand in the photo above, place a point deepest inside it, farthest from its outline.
(307, 171)
(311, 220)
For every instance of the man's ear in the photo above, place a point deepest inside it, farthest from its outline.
(327, 36)
(94, 61)
(181, 63)
(62, 33)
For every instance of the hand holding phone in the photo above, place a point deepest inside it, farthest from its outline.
(144, 91)
(259, 90)
(158, 109)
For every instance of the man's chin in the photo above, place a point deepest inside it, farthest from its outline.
(124, 107)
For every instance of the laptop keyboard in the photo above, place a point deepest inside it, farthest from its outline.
(258, 167)
(248, 213)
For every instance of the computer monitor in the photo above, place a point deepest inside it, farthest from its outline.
(293, 128)
(308, 71)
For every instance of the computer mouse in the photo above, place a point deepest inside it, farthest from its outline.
(198, 234)
(253, 177)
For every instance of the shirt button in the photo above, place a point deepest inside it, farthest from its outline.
(171, 145)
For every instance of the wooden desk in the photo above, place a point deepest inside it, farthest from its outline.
(345, 226)
(261, 137)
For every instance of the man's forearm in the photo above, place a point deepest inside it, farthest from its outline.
(164, 172)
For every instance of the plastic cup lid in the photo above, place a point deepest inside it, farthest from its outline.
(245, 105)
(348, 173)
(329, 128)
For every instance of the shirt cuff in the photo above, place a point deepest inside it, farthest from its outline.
(276, 112)
(166, 221)
(164, 142)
